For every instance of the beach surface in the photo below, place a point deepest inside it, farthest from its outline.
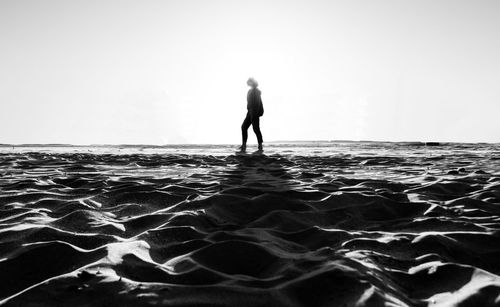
(303, 224)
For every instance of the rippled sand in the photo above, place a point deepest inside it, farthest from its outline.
(355, 224)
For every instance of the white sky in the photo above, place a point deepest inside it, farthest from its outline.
(159, 72)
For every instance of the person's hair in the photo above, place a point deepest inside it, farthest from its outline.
(253, 81)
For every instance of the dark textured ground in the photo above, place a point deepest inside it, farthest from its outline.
(358, 225)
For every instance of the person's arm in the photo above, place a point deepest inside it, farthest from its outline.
(260, 109)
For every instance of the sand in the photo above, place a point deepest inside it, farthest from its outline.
(335, 224)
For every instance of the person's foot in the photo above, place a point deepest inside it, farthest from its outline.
(243, 148)
(260, 147)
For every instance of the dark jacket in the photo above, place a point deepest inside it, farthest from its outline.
(254, 103)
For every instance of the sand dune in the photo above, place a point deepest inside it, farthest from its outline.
(352, 225)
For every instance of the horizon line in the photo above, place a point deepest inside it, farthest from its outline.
(431, 143)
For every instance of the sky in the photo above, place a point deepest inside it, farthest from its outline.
(170, 72)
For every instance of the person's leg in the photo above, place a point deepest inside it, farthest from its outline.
(244, 131)
(256, 129)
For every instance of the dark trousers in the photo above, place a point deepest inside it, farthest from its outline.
(256, 128)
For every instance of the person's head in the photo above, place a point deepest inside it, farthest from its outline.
(252, 82)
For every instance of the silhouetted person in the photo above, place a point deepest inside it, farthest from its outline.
(255, 111)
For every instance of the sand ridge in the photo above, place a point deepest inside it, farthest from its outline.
(375, 227)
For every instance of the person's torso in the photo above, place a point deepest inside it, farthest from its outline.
(253, 96)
